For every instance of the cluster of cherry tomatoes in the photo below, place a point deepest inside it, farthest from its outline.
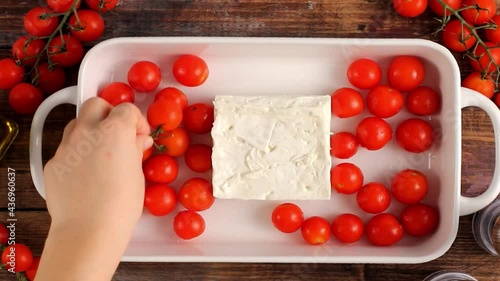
(24, 260)
(54, 41)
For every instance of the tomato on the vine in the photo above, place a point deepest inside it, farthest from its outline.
(116, 93)
(497, 99)
(62, 6)
(415, 135)
(287, 217)
(199, 118)
(419, 220)
(196, 194)
(384, 230)
(410, 8)
(373, 133)
(65, 50)
(4, 234)
(439, 10)
(480, 11)
(409, 186)
(373, 198)
(346, 102)
(173, 95)
(384, 101)
(101, 5)
(406, 73)
(198, 157)
(26, 50)
(49, 80)
(343, 145)
(481, 60)
(174, 143)
(25, 98)
(423, 101)
(40, 21)
(160, 199)
(457, 37)
(20, 256)
(347, 228)
(11, 74)
(31, 271)
(346, 178)
(493, 34)
(160, 168)
(190, 70)
(165, 114)
(89, 25)
(316, 230)
(144, 76)
(188, 224)
(364, 73)
(484, 85)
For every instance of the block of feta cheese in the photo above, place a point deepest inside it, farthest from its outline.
(272, 147)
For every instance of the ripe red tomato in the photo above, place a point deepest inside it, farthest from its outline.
(11, 74)
(196, 194)
(384, 230)
(40, 22)
(410, 8)
(343, 145)
(147, 153)
(90, 27)
(480, 11)
(423, 101)
(165, 114)
(101, 6)
(173, 143)
(199, 158)
(31, 271)
(406, 73)
(25, 98)
(457, 37)
(188, 224)
(493, 34)
(409, 186)
(373, 198)
(384, 101)
(415, 135)
(25, 50)
(484, 85)
(50, 79)
(346, 102)
(287, 217)
(438, 9)
(160, 168)
(373, 133)
(116, 93)
(316, 230)
(419, 220)
(364, 74)
(497, 100)
(190, 70)
(66, 51)
(62, 6)
(4, 234)
(173, 95)
(20, 256)
(199, 118)
(144, 76)
(160, 199)
(481, 60)
(347, 228)
(346, 178)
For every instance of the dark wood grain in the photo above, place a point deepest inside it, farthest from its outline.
(293, 18)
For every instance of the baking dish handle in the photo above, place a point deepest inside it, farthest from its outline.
(66, 95)
(469, 205)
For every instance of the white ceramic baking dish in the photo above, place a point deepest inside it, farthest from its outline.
(241, 231)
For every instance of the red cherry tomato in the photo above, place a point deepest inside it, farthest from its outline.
(346, 178)
(406, 73)
(419, 220)
(410, 8)
(373, 198)
(173, 95)
(160, 199)
(26, 50)
(196, 194)
(165, 114)
(493, 34)
(457, 37)
(343, 145)
(384, 230)
(287, 217)
(316, 230)
(373, 133)
(116, 93)
(147, 153)
(384, 101)
(4, 234)
(415, 135)
(39, 21)
(199, 158)
(423, 101)
(364, 74)
(160, 168)
(62, 6)
(101, 6)
(481, 11)
(409, 186)
(190, 70)
(25, 98)
(189, 224)
(347, 228)
(199, 118)
(173, 143)
(481, 61)
(484, 85)
(90, 27)
(18, 257)
(66, 51)
(497, 100)
(11, 74)
(50, 79)
(439, 10)
(144, 76)
(31, 271)
(346, 102)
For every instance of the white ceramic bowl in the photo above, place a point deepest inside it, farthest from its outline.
(241, 231)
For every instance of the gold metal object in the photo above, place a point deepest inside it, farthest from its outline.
(7, 134)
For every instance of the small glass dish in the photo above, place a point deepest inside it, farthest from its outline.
(486, 228)
(445, 275)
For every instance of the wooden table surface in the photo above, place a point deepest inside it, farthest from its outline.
(292, 18)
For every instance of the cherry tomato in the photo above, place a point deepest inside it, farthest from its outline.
(26, 50)
(190, 70)
(173, 95)
(165, 114)
(49, 80)
(484, 85)
(160, 168)
(409, 186)
(343, 145)
(101, 5)
(196, 194)
(188, 224)
(347, 228)
(147, 153)
(116, 93)
(173, 143)
(160, 199)
(384, 101)
(415, 135)
(39, 21)
(316, 230)
(384, 230)
(423, 101)
(199, 158)
(364, 74)
(481, 11)
(373, 133)
(493, 34)
(439, 10)
(457, 37)
(18, 257)
(346, 178)
(346, 102)
(31, 271)
(497, 100)
(287, 217)
(25, 98)
(410, 8)
(419, 220)
(481, 60)
(66, 51)
(144, 76)
(373, 198)
(4, 234)
(199, 118)
(62, 6)
(90, 27)
(406, 73)
(11, 74)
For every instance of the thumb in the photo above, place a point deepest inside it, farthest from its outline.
(143, 142)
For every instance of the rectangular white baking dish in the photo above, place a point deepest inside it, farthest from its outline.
(241, 231)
